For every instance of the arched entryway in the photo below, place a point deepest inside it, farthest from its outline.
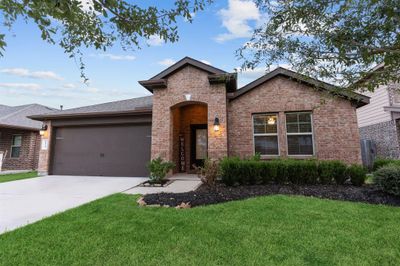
(189, 135)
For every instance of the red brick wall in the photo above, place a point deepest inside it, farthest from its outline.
(334, 119)
(188, 80)
(29, 154)
(44, 155)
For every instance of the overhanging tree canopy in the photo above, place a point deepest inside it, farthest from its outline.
(334, 40)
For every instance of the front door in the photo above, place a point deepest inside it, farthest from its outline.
(199, 144)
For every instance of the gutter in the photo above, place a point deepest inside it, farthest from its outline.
(89, 115)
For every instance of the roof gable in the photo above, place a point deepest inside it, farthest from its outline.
(215, 75)
(359, 99)
(184, 62)
(17, 116)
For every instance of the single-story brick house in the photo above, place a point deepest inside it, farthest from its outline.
(196, 111)
(19, 136)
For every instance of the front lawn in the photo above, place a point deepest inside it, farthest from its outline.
(291, 230)
(13, 177)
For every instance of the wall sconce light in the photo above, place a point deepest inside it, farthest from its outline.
(43, 130)
(216, 124)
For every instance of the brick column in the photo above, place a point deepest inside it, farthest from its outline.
(44, 154)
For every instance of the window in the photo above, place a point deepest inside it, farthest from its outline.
(16, 146)
(265, 127)
(299, 134)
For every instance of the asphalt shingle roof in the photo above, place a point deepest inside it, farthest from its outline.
(129, 105)
(17, 116)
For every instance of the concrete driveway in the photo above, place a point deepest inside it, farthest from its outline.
(30, 200)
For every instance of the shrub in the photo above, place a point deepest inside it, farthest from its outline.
(268, 171)
(302, 172)
(159, 169)
(330, 171)
(229, 170)
(325, 169)
(357, 174)
(339, 172)
(378, 163)
(208, 173)
(387, 178)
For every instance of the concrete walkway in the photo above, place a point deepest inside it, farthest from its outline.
(29, 200)
(181, 183)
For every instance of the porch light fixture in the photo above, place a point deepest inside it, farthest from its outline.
(43, 130)
(216, 124)
(271, 120)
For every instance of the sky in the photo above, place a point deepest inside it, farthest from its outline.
(32, 71)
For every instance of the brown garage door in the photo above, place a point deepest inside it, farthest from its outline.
(121, 150)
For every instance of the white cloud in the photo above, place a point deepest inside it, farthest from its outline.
(26, 73)
(29, 86)
(236, 19)
(248, 75)
(69, 85)
(92, 90)
(115, 57)
(167, 62)
(155, 40)
(205, 62)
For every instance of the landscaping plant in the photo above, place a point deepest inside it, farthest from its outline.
(378, 163)
(357, 174)
(387, 178)
(251, 171)
(208, 173)
(159, 169)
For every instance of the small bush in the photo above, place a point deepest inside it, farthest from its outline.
(339, 172)
(387, 178)
(208, 173)
(229, 170)
(302, 172)
(357, 174)
(159, 169)
(378, 163)
(268, 172)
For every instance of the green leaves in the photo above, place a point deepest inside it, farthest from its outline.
(338, 41)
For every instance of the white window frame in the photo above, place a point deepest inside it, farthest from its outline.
(15, 146)
(266, 134)
(300, 134)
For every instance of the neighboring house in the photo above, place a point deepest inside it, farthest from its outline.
(195, 112)
(19, 136)
(379, 121)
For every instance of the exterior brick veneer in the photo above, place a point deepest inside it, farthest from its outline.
(29, 153)
(44, 155)
(189, 98)
(386, 136)
(334, 119)
(188, 80)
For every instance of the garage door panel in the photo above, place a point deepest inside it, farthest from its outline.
(102, 150)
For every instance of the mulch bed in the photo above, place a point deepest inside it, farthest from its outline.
(222, 193)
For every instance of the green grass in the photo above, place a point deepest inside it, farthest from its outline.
(272, 230)
(19, 176)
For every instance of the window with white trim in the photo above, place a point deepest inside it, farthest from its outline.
(299, 133)
(265, 128)
(16, 146)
